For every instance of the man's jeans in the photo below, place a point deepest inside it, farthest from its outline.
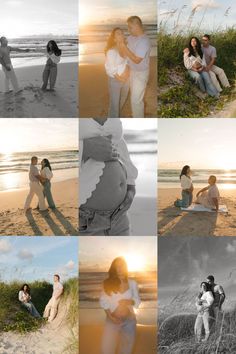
(122, 335)
(138, 84)
(202, 319)
(118, 93)
(204, 82)
(103, 223)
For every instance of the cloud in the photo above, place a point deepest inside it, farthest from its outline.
(15, 2)
(210, 4)
(25, 254)
(5, 246)
(70, 265)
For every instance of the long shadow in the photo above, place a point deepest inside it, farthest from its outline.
(66, 224)
(188, 223)
(33, 224)
(57, 231)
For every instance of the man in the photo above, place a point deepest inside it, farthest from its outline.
(138, 53)
(51, 308)
(218, 293)
(35, 187)
(209, 196)
(210, 56)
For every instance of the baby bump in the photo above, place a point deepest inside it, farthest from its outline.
(111, 189)
(121, 312)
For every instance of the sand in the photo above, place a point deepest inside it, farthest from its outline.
(93, 92)
(60, 222)
(33, 102)
(174, 222)
(90, 339)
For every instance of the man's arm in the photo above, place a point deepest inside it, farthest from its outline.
(2, 62)
(212, 62)
(216, 203)
(202, 190)
(134, 58)
(222, 296)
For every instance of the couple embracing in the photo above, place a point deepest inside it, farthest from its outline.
(127, 66)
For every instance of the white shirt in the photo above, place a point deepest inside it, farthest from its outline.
(46, 173)
(57, 288)
(114, 63)
(23, 297)
(186, 182)
(111, 302)
(54, 58)
(33, 172)
(92, 170)
(207, 300)
(190, 61)
(141, 47)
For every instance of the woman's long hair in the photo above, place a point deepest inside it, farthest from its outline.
(28, 288)
(112, 283)
(208, 287)
(111, 40)
(184, 171)
(198, 47)
(46, 164)
(55, 48)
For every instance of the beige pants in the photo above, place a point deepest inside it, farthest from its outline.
(216, 71)
(10, 77)
(204, 200)
(35, 188)
(202, 320)
(51, 309)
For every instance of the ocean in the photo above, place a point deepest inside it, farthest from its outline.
(37, 50)
(14, 167)
(93, 40)
(169, 178)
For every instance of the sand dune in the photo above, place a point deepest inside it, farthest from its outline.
(33, 102)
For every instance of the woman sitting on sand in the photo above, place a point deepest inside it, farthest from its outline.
(25, 299)
(46, 176)
(194, 62)
(119, 298)
(203, 305)
(209, 196)
(50, 70)
(118, 72)
(107, 178)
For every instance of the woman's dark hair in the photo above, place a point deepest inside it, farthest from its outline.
(28, 288)
(55, 48)
(112, 283)
(208, 287)
(184, 171)
(111, 40)
(47, 164)
(198, 48)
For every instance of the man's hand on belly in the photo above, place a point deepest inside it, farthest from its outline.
(99, 148)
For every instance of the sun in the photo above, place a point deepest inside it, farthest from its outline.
(135, 262)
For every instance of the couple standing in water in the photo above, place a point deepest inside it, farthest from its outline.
(53, 54)
(127, 66)
(40, 185)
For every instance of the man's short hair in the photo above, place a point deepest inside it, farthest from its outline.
(211, 278)
(213, 177)
(33, 158)
(207, 36)
(136, 19)
(58, 276)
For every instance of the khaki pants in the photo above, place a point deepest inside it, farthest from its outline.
(202, 319)
(51, 309)
(35, 188)
(10, 76)
(138, 84)
(221, 75)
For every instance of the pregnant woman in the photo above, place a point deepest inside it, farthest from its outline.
(46, 176)
(119, 297)
(50, 70)
(117, 71)
(107, 178)
(25, 299)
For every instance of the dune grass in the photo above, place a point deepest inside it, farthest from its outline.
(178, 96)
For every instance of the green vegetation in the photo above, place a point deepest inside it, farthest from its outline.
(178, 96)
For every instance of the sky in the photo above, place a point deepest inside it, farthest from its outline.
(187, 261)
(26, 17)
(140, 252)
(38, 134)
(209, 14)
(115, 11)
(38, 258)
(200, 143)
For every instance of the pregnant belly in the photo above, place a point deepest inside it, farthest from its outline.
(121, 312)
(111, 189)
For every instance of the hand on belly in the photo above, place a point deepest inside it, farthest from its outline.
(121, 312)
(111, 189)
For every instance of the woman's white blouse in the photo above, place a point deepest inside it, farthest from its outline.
(22, 296)
(186, 182)
(111, 302)
(189, 61)
(91, 170)
(54, 58)
(114, 63)
(46, 173)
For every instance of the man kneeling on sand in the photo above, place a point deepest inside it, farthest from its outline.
(209, 196)
(35, 187)
(51, 308)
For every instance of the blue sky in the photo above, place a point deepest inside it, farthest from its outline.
(27, 17)
(209, 15)
(38, 258)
